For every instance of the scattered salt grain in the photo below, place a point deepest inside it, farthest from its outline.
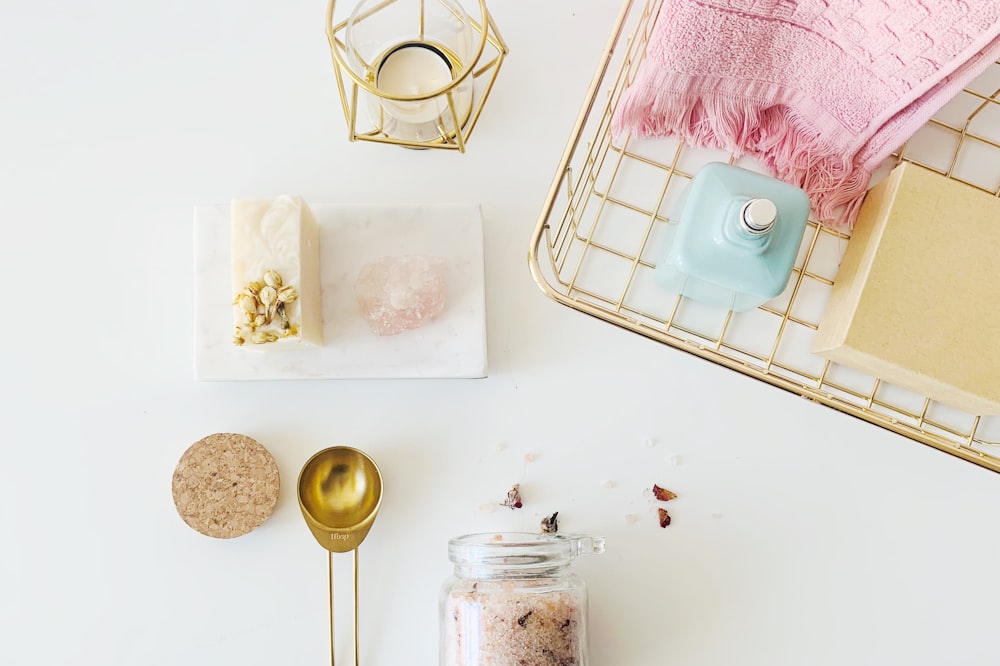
(631, 518)
(530, 457)
(609, 484)
(675, 460)
(648, 443)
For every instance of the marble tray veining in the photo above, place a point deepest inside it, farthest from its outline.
(452, 345)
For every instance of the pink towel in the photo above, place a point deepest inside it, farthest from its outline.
(820, 91)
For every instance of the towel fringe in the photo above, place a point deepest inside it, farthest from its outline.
(786, 143)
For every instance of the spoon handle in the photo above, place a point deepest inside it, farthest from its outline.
(329, 561)
(356, 600)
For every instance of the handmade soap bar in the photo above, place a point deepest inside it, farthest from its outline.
(915, 299)
(274, 257)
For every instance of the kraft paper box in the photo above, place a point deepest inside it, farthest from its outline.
(916, 301)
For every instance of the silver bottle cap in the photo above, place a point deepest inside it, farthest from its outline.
(758, 216)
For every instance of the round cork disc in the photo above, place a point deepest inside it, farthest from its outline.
(225, 485)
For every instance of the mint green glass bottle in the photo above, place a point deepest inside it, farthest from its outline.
(737, 239)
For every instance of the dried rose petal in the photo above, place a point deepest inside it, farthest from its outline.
(664, 517)
(549, 524)
(663, 494)
(513, 500)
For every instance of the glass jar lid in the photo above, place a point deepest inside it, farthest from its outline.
(521, 549)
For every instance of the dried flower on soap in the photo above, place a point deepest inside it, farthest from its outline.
(282, 317)
(272, 279)
(263, 337)
(663, 494)
(549, 524)
(263, 305)
(513, 500)
(268, 295)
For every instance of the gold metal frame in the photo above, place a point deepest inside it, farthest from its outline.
(609, 204)
(490, 54)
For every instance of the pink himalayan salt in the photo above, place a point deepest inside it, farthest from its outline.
(397, 294)
(493, 623)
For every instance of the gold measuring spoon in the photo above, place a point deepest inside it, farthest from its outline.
(340, 490)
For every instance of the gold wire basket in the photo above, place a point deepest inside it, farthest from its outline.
(611, 204)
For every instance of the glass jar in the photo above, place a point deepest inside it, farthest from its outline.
(419, 56)
(513, 600)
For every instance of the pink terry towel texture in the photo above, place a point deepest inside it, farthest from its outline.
(820, 91)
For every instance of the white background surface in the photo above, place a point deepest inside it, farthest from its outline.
(801, 536)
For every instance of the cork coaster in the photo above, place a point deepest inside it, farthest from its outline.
(225, 485)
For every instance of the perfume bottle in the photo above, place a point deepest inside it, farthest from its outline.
(737, 239)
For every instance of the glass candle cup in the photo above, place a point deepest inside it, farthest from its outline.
(512, 599)
(418, 55)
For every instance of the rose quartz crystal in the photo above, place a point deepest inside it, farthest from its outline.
(397, 294)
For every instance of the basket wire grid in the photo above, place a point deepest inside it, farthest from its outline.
(611, 210)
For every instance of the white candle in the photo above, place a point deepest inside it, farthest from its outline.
(415, 69)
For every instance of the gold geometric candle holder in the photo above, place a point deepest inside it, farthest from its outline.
(414, 73)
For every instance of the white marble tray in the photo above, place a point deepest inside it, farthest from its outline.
(452, 345)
